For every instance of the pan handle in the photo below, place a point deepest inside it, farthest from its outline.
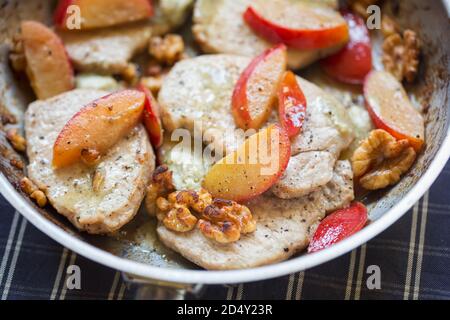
(149, 289)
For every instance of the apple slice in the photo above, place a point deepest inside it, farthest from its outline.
(152, 119)
(48, 66)
(354, 62)
(61, 12)
(103, 13)
(391, 110)
(97, 127)
(300, 25)
(291, 105)
(339, 225)
(253, 168)
(255, 91)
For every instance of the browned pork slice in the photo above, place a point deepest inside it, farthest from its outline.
(107, 50)
(220, 28)
(100, 199)
(327, 127)
(197, 92)
(327, 131)
(284, 228)
(306, 172)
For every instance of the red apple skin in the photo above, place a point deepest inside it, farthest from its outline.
(104, 13)
(393, 111)
(48, 65)
(152, 120)
(291, 105)
(354, 62)
(241, 102)
(338, 225)
(59, 15)
(98, 126)
(305, 39)
(417, 144)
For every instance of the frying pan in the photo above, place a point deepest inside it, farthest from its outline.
(160, 273)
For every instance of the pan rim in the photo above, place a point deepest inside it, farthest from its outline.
(186, 276)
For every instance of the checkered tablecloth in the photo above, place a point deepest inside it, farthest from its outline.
(413, 256)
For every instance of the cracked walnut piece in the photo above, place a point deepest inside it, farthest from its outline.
(221, 220)
(168, 49)
(224, 221)
(381, 160)
(160, 185)
(401, 55)
(17, 141)
(33, 192)
(175, 213)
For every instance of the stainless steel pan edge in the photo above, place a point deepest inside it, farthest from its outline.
(235, 276)
(174, 277)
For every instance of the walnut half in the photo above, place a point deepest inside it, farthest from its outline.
(401, 55)
(175, 211)
(224, 221)
(221, 220)
(381, 160)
